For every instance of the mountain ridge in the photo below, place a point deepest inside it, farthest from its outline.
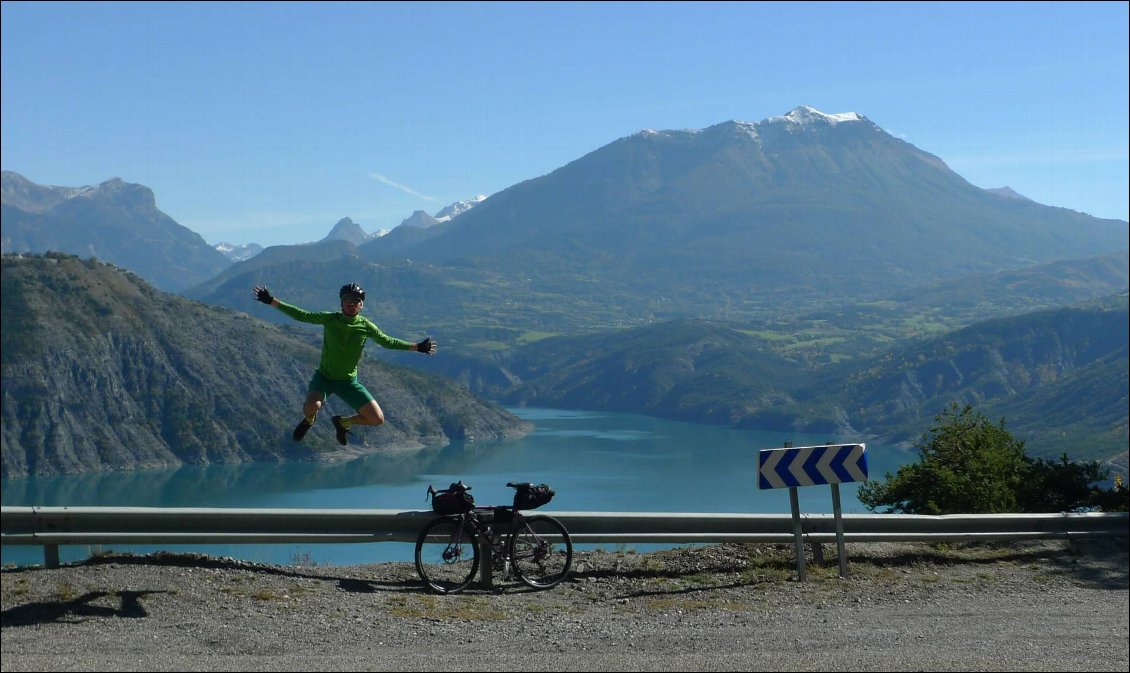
(115, 221)
(768, 206)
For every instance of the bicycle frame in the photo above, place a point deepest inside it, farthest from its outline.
(495, 549)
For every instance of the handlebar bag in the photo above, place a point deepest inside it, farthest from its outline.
(452, 500)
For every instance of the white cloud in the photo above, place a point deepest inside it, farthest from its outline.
(404, 188)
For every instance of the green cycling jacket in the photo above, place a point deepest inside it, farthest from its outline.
(343, 339)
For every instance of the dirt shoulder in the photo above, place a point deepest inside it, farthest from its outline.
(1018, 606)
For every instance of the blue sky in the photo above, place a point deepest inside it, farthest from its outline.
(267, 123)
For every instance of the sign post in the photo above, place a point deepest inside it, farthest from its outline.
(791, 468)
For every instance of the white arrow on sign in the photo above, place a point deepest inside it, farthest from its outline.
(796, 468)
(769, 469)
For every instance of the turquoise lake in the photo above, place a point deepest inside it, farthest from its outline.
(595, 461)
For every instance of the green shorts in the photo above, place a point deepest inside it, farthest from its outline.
(349, 390)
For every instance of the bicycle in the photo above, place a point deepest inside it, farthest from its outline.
(536, 549)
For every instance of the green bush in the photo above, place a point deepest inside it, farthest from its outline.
(969, 465)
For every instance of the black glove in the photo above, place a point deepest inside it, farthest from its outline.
(263, 295)
(427, 346)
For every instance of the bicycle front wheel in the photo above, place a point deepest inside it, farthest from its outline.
(447, 555)
(540, 550)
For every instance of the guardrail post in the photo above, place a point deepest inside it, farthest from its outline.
(817, 552)
(838, 514)
(486, 562)
(798, 532)
(50, 556)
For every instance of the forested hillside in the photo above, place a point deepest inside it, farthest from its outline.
(1059, 377)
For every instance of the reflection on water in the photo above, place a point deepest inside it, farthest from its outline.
(240, 485)
(595, 462)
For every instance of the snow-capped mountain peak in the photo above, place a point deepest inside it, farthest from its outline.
(806, 115)
(239, 253)
(458, 208)
(423, 220)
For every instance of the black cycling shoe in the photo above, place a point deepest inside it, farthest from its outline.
(342, 433)
(300, 430)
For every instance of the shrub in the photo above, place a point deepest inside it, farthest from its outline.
(969, 465)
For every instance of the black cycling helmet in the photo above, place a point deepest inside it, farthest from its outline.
(352, 289)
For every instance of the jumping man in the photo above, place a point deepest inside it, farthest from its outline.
(343, 338)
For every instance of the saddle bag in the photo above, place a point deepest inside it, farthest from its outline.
(532, 497)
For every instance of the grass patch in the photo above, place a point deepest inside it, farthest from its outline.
(768, 335)
(303, 560)
(266, 594)
(490, 345)
(534, 337)
(66, 592)
(441, 608)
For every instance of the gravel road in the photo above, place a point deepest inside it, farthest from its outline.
(1038, 606)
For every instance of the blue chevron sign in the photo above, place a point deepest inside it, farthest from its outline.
(811, 465)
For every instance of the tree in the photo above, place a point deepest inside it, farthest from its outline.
(968, 465)
(1060, 486)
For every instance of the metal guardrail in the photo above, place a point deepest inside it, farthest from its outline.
(55, 526)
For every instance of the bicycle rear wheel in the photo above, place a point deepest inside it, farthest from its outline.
(447, 555)
(540, 550)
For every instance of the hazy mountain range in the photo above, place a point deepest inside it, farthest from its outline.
(120, 223)
(804, 207)
(748, 222)
(115, 221)
(807, 271)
